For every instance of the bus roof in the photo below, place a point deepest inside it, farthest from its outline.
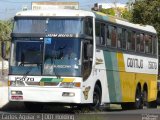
(123, 22)
(99, 15)
(55, 12)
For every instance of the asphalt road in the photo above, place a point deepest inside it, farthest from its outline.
(113, 113)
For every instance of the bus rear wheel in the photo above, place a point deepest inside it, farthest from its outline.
(152, 104)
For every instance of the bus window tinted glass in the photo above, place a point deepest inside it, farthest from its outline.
(119, 37)
(89, 26)
(109, 32)
(128, 37)
(97, 33)
(148, 44)
(123, 39)
(102, 34)
(114, 36)
(29, 25)
(133, 40)
(141, 42)
(137, 42)
(70, 26)
(154, 39)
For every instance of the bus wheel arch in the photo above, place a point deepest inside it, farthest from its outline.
(147, 103)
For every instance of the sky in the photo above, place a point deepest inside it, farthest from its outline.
(8, 8)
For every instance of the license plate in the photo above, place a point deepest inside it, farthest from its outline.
(17, 97)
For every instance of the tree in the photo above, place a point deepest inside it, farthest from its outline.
(127, 14)
(109, 11)
(123, 13)
(5, 31)
(147, 12)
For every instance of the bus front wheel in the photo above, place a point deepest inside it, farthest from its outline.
(96, 97)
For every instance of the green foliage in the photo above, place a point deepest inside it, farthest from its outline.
(127, 15)
(108, 11)
(5, 31)
(147, 12)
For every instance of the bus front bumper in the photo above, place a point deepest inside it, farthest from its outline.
(41, 94)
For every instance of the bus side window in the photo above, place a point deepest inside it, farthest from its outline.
(88, 26)
(114, 37)
(128, 37)
(133, 40)
(109, 33)
(108, 41)
(141, 42)
(138, 42)
(148, 44)
(97, 33)
(102, 35)
(119, 38)
(123, 39)
(154, 39)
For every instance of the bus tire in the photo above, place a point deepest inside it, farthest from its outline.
(138, 104)
(126, 106)
(33, 107)
(145, 98)
(96, 98)
(152, 104)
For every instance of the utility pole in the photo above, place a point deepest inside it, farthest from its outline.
(115, 9)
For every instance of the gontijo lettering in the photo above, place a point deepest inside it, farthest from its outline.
(134, 63)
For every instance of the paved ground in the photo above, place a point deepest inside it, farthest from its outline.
(3, 96)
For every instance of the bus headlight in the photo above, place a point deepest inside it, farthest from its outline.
(16, 83)
(70, 84)
(16, 93)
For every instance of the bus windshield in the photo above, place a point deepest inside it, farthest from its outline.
(48, 25)
(62, 57)
(50, 56)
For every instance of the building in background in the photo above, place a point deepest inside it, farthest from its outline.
(54, 5)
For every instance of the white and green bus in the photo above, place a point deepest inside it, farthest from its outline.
(114, 61)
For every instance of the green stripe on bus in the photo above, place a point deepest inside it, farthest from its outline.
(51, 80)
(113, 76)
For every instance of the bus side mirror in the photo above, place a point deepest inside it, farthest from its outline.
(90, 50)
(3, 50)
